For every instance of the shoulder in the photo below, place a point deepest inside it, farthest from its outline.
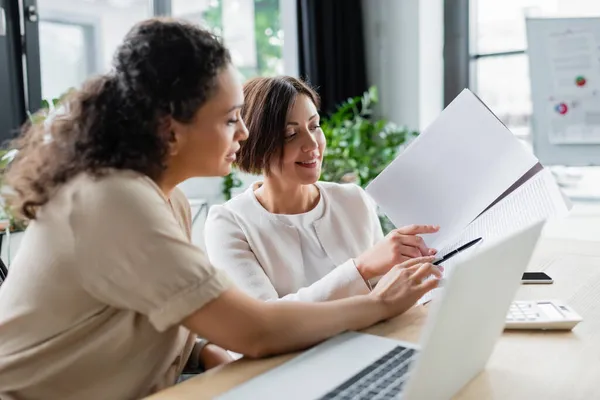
(179, 198)
(241, 204)
(344, 192)
(348, 200)
(116, 187)
(229, 221)
(180, 203)
(116, 196)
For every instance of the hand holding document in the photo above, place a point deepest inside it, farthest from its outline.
(537, 199)
(468, 174)
(455, 169)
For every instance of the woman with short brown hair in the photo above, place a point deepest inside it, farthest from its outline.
(295, 238)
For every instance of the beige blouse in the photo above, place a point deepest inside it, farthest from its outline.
(93, 301)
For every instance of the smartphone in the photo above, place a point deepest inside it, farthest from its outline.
(536, 277)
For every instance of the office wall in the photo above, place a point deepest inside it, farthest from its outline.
(404, 44)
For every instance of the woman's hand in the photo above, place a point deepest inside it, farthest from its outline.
(258, 329)
(398, 246)
(212, 356)
(399, 289)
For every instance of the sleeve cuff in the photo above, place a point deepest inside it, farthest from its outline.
(358, 284)
(194, 360)
(373, 281)
(188, 301)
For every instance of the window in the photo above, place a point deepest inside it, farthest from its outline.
(78, 37)
(499, 70)
(67, 55)
(250, 28)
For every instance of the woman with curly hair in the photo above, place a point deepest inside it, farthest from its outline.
(107, 295)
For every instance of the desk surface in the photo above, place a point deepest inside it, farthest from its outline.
(524, 365)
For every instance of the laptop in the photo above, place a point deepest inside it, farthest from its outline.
(465, 321)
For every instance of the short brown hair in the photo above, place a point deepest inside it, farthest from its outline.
(267, 101)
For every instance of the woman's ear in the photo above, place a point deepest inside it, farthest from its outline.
(175, 134)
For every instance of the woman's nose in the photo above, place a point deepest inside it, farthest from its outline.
(242, 132)
(310, 144)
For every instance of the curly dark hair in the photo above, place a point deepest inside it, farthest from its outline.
(164, 67)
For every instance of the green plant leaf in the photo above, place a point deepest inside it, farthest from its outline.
(230, 182)
(373, 93)
(358, 143)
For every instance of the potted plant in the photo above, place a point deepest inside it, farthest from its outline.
(14, 223)
(11, 226)
(360, 146)
(230, 182)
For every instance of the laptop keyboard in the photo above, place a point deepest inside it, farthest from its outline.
(383, 379)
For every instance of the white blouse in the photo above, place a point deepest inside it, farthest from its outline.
(305, 257)
(315, 260)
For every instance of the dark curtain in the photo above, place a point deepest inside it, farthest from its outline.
(331, 49)
(12, 99)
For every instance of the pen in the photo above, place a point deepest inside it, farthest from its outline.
(455, 252)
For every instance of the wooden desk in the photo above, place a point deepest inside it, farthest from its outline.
(524, 365)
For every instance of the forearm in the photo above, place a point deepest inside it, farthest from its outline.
(344, 281)
(294, 326)
(242, 324)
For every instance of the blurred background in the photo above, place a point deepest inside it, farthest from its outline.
(400, 61)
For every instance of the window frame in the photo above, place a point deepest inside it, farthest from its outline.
(459, 58)
(12, 100)
(22, 70)
(457, 69)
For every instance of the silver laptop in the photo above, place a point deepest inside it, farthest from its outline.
(464, 323)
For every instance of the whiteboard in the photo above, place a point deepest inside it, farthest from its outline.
(564, 69)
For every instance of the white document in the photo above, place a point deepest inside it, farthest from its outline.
(452, 171)
(537, 199)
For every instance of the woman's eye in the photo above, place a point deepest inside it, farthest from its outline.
(232, 121)
(290, 136)
(314, 128)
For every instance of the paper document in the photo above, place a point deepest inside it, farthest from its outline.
(452, 171)
(537, 199)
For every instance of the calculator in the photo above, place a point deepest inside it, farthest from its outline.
(541, 314)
